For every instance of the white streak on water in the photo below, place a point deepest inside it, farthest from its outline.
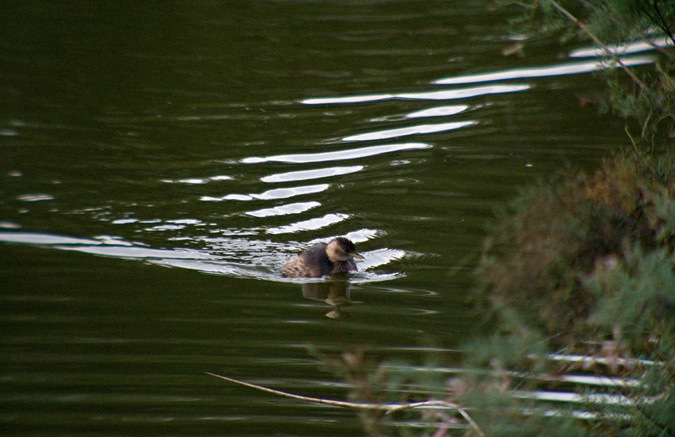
(533, 72)
(429, 95)
(311, 174)
(337, 155)
(410, 130)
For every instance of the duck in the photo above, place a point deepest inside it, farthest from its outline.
(322, 259)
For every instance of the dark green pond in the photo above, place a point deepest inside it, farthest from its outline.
(160, 160)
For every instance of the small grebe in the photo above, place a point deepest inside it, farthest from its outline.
(323, 259)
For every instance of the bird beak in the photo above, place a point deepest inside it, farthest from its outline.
(356, 255)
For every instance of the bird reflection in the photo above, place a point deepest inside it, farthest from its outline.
(334, 292)
(334, 259)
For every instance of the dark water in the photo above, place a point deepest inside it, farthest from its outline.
(160, 160)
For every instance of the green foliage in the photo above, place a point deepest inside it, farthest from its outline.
(621, 20)
(366, 379)
(636, 300)
(641, 289)
(584, 265)
(644, 96)
(611, 21)
(550, 240)
(499, 416)
(513, 346)
(581, 265)
(649, 111)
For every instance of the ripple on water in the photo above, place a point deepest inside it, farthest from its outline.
(37, 197)
(236, 256)
(277, 193)
(303, 175)
(409, 130)
(338, 155)
(547, 71)
(425, 95)
(309, 224)
(288, 209)
(438, 111)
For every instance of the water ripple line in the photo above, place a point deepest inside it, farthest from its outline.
(310, 224)
(548, 71)
(428, 95)
(288, 209)
(304, 175)
(237, 257)
(278, 193)
(410, 130)
(621, 49)
(338, 155)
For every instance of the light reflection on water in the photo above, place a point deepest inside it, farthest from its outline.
(240, 257)
(309, 224)
(304, 175)
(181, 160)
(548, 71)
(198, 181)
(438, 111)
(250, 250)
(289, 208)
(338, 155)
(277, 193)
(410, 130)
(426, 95)
(621, 49)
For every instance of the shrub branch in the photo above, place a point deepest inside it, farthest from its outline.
(600, 44)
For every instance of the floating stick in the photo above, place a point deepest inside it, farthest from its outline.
(388, 408)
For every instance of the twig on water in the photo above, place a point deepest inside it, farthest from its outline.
(387, 408)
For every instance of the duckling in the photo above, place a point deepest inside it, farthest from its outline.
(323, 259)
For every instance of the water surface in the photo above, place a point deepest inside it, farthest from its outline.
(160, 162)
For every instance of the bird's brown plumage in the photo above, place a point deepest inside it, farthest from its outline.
(322, 259)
